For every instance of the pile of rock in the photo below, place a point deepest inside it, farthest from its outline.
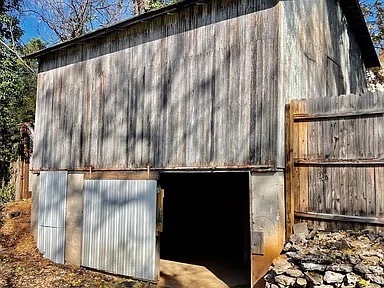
(327, 260)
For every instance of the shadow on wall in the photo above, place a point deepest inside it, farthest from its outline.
(159, 95)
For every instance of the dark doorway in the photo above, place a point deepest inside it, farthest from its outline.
(206, 222)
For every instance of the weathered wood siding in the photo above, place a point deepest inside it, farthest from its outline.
(318, 55)
(193, 89)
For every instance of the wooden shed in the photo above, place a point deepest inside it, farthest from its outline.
(186, 101)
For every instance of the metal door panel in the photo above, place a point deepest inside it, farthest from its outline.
(119, 227)
(51, 219)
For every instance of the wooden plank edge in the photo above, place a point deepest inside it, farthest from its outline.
(318, 116)
(357, 162)
(121, 175)
(342, 218)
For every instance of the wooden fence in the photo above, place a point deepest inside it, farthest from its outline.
(335, 161)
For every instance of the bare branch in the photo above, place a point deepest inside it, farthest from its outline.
(18, 56)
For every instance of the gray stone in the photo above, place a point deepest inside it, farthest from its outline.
(333, 277)
(312, 234)
(308, 266)
(269, 277)
(318, 258)
(323, 286)
(285, 280)
(297, 238)
(294, 272)
(352, 278)
(314, 278)
(296, 248)
(371, 259)
(344, 244)
(361, 268)
(346, 268)
(293, 256)
(300, 228)
(377, 270)
(301, 282)
(287, 247)
(375, 278)
(280, 266)
(353, 260)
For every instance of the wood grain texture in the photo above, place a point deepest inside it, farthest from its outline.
(342, 162)
(192, 89)
(205, 86)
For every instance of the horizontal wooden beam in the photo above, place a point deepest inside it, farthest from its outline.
(121, 175)
(342, 218)
(339, 162)
(333, 115)
(228, 168)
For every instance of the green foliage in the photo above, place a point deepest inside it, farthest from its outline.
(17, 88)
(6, 194)
(156, 4)
(374, 15)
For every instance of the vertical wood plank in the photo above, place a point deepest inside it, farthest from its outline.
(289, 172)
(361, 171)
(343, 147)
(327, 146)
(320, 193)
(335, 151)
(369, 149)
(303, 153)
(295, 153)
(312, 155)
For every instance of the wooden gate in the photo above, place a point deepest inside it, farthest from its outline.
(335, 161)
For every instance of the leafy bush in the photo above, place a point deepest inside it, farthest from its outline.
(7, 194)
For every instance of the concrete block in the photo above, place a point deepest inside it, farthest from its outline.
(74, 219)
(268, 217)
(35, 188)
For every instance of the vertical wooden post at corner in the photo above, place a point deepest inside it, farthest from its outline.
(289, 166)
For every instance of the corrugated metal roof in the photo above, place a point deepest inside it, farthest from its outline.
(351, 9)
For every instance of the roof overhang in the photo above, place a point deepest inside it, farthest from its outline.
(118, 26)
(351, 8)
(356, 22)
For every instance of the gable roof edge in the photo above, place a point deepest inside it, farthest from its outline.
(351, 9)
(356, 22)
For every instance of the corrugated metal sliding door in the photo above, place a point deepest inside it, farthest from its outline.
(119, 227)
(51, 226)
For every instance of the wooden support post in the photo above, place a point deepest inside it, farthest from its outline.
(289, 166)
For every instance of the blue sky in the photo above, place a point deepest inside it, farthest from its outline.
(33, 29)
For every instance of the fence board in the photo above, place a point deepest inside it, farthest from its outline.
(336, 159)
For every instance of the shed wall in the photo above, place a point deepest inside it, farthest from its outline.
(193, 89)
(318, 55)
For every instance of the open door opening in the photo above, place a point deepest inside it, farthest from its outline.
(206, 238)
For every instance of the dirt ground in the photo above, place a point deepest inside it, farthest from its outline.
(22, 266)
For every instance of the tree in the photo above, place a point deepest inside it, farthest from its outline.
(72, 18)
(374, 15)
(17, 86)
